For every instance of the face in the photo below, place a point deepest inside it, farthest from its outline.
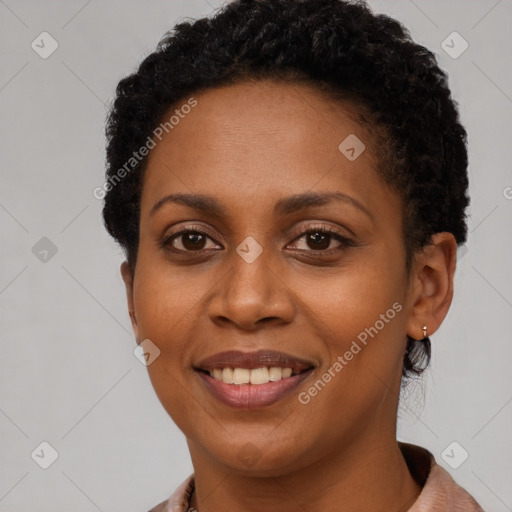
(297, 249)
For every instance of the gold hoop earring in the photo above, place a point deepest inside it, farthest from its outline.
(424, 329)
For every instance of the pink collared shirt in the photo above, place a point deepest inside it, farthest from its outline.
(440, 492)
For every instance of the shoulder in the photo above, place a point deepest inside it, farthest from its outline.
(440, 491)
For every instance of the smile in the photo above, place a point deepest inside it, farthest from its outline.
(251, 380)
(257, 376)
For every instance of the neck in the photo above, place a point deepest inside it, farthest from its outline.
(369, 474)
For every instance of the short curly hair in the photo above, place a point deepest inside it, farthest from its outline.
(338, 46)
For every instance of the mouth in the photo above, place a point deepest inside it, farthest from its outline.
(252, 379)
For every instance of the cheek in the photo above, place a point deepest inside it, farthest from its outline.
(355, 299)
(361, 316)
(361, 313)
(163, 300)
(165, 314)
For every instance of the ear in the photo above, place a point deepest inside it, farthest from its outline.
(432, 285)
(128, 277)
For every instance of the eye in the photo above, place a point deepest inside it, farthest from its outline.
(190, 240)
(319, 239)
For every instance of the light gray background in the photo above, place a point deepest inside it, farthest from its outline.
(68, 375)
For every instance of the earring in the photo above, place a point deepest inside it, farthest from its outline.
(424, 329)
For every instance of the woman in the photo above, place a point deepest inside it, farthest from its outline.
(288, 180)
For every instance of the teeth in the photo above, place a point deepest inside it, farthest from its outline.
(286, 373)
(259, 376)
(254, 376)
(227, 375)
(241, 376)
(275, 373)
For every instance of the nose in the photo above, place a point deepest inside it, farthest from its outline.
(251, 295)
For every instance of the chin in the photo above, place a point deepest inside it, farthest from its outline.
(258, 458)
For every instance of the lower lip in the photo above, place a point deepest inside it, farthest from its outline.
(252, 396)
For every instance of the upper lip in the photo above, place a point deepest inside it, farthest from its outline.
(251, 360)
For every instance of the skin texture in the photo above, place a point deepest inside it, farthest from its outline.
(249, 145)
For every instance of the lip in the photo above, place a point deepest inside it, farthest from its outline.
(251, 360)
(253, 396)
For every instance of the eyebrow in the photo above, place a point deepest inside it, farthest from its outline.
(285, 206)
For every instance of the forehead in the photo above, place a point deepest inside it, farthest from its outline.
(261, 138)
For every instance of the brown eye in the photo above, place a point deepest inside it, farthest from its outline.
(320, 239)
(316, 240)
(187, 241)
(193, 241)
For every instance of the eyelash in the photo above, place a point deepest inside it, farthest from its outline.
(320, 229)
